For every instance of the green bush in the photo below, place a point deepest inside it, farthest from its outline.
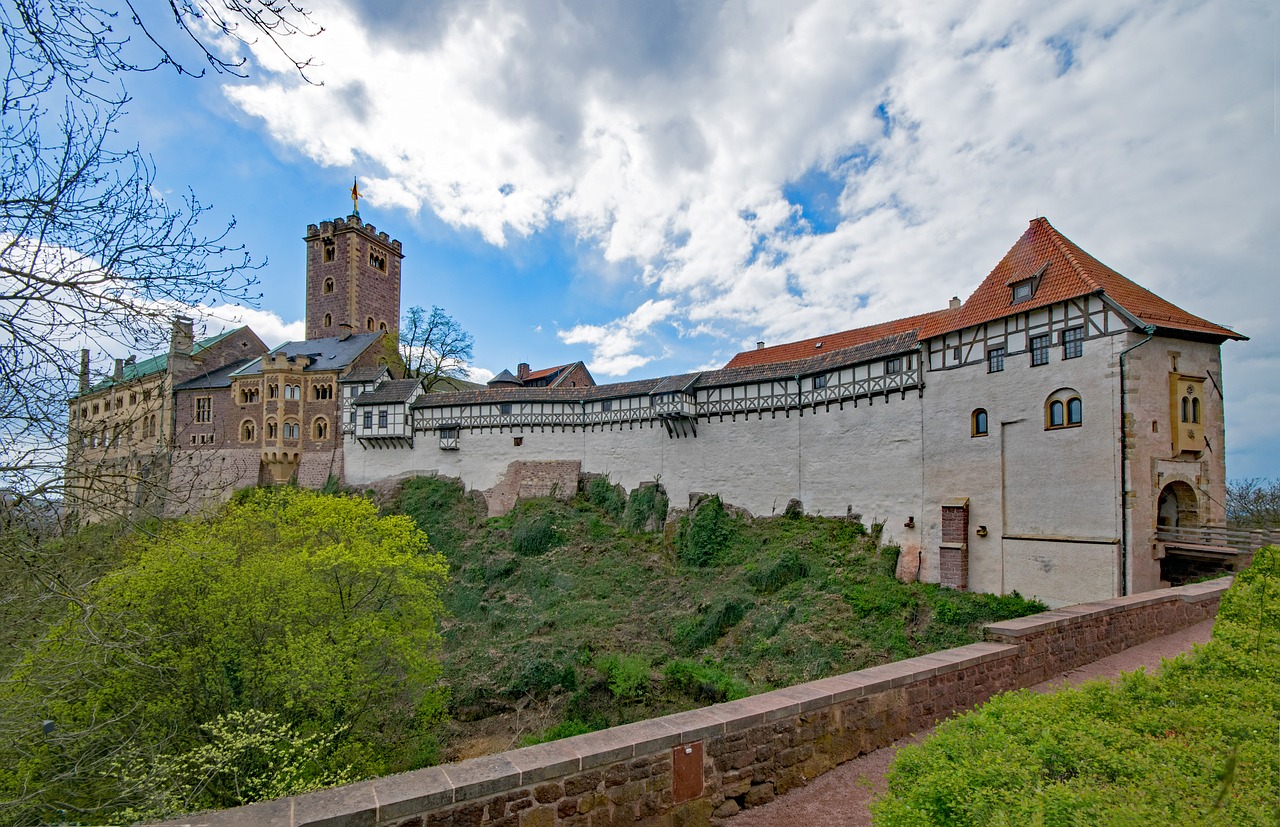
(542, 675)
(784, 571)
(609, 498)
(704, 535)
(709, 625)
(703, 682)
(564, 729)
(628, 675)
(648, 502)
(1195, 744)
(533, 533)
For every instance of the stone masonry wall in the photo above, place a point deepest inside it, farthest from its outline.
(702, 766)
(558, 478)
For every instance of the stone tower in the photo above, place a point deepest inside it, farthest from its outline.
(353, 278)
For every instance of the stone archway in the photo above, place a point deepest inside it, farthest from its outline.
(1177, 507)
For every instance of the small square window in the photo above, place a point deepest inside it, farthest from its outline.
(995, 360)
(892, 366)
(1073, 343)
(1022, 291)
(819, 382)
(505, 409)
(1040, 350)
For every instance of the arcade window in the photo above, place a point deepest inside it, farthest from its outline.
(1063, 409)
(378, 260)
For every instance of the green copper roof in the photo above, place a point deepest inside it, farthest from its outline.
(157, 364)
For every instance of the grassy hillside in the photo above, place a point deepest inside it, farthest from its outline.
(569, 616)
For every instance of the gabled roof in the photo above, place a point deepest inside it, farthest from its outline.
(158, 364)
(1063, 271)
(366, 374)
(818, 345)
(539, 374)
(331, 353)
(219, 378)
(389, 392)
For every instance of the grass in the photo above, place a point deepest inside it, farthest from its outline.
(576, 607)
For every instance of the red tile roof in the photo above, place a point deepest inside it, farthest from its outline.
(1066, 272)
(538, 374)
(835, 341)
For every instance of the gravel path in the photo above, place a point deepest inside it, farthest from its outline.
(843, 796)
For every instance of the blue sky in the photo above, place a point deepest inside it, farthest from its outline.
(653, 189)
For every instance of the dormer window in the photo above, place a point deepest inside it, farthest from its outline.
(1022, 291)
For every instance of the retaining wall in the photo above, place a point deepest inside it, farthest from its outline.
(701, 766)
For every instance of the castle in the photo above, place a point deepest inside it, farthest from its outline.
(1034, 437)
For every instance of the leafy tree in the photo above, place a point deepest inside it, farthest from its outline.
(1253, 503)
(293, 625)
(433, 346)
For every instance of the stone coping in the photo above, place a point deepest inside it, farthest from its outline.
(1069, 615)
(367, 803)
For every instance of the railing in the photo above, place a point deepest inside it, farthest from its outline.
(1241, 541)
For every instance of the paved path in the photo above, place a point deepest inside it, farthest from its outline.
(843, 796)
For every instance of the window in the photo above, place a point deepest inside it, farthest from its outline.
(320, 428)
(322, 392)
(204, 409)
(248, 396)
(517, 441)
(382, 420)
(369, 323)
(1063, 409)
(979, 423)
(133, 397)
(368, 420)
(378, 260)
(606, 405)
(995, 360)
(328, 320)
(382, 326)
(273, 430)
(1040, 350)
(1073, 343)
(819, 382)
(330, 251)
(892, 366)
(292, 391)
(273, 391)
(328, 286)
(1195, 410)
(449, 439)
(505, 408)
(146, 396)
(957, 355)
(247, 431)
(1023, 290)
(291, 430)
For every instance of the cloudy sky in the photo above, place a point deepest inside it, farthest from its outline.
(651, 187)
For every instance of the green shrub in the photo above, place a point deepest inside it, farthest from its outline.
(704, 535)
(1194, 744)
(609, 498)
(564, 729)
(648, 502)
(709, 625)
(784, 571)
(533, 533)
(628, 675)
(703, 682)
(542, 675)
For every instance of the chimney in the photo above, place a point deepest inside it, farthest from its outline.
(954, 304)
(84, 369)
(759, 345)
(522, 370)
(118, 373)
(344, 332)
(183, 340)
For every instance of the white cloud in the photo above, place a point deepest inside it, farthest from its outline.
(272, 329)
(666, 136)
(481, 375)
(614, 346)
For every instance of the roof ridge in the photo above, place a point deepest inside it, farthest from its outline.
(1064, 246)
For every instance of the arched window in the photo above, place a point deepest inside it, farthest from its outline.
(328, 320)
(291, 430)
(273, 391)
(1195, 410)
(247, 431)
(382, 326)
(978, 425)
(320, 428)
(328, 285)
(272, 430)
(1186, 409)
(369, 323)
(1063, 409)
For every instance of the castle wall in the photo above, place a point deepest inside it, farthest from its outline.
(864, 458)
(201, 480)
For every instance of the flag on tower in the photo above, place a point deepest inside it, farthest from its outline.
(355, 197)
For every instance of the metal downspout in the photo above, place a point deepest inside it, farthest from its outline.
(1150, 330)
